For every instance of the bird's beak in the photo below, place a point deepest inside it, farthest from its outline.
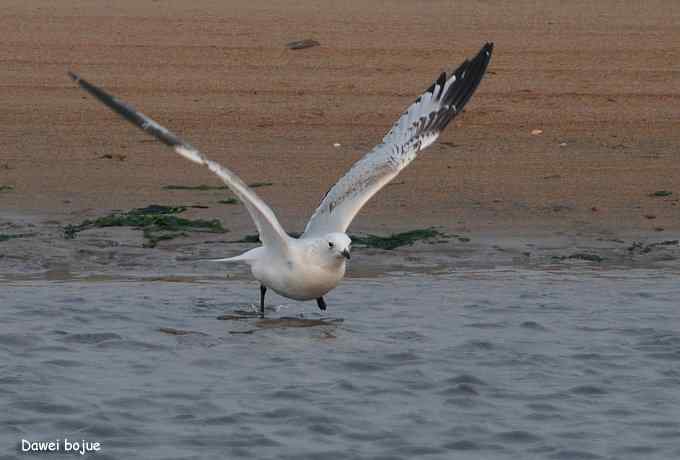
(346, 254)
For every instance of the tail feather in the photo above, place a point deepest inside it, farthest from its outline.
(247, 257)
(226, 259)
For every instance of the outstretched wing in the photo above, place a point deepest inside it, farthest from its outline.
(417, 128)
(271, 232)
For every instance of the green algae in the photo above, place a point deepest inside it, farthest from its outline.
(158, 223)
(12, 236)
(201, 188)
(395, 240)
(387, 243)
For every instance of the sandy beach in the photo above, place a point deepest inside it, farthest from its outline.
(600, 82)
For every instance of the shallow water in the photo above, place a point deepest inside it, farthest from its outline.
(475, 364)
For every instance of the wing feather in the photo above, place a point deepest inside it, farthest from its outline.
(268, 226)
(416, 129)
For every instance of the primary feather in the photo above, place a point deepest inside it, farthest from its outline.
(417, 128)
(268, 226)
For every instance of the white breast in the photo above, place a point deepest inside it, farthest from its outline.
(301, 276)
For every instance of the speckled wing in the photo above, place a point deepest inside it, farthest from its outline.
(417, 128)
(268, 226)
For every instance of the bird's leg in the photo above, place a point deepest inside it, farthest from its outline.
(321, 303)
(263, 291)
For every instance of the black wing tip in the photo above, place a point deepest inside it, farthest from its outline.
(74, 76)
(477, 65)
(484, 53)
(467, 78)
(442, 79)
(486, 50)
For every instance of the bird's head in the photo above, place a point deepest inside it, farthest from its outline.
(338, 245)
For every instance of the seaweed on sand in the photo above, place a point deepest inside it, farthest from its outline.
(204, 187)
(642, 248)
(201, 187)
(581, 256)
(373, 241)
(661, 193)
(157, 223)
(395, 240)
(254, 238)
(586, 256)
(260, 184)
(11, 236)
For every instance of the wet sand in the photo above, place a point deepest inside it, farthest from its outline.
(601, 81)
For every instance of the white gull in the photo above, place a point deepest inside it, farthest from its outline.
(308, 267)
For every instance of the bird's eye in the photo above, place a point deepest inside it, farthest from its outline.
(330, 244)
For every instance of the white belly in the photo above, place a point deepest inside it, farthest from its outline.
(298, 281)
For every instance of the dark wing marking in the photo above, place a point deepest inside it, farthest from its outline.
(417, 128)
(131, 114)
(268, 226)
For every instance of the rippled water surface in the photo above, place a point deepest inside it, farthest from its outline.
(485, 364)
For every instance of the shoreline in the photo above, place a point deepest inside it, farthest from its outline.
(41, 251)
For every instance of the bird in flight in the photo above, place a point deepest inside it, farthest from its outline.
(308, 267)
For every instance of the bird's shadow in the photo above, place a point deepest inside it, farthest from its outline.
(271, 321)
(281, 322)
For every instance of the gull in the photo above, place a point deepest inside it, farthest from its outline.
(308, 267)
